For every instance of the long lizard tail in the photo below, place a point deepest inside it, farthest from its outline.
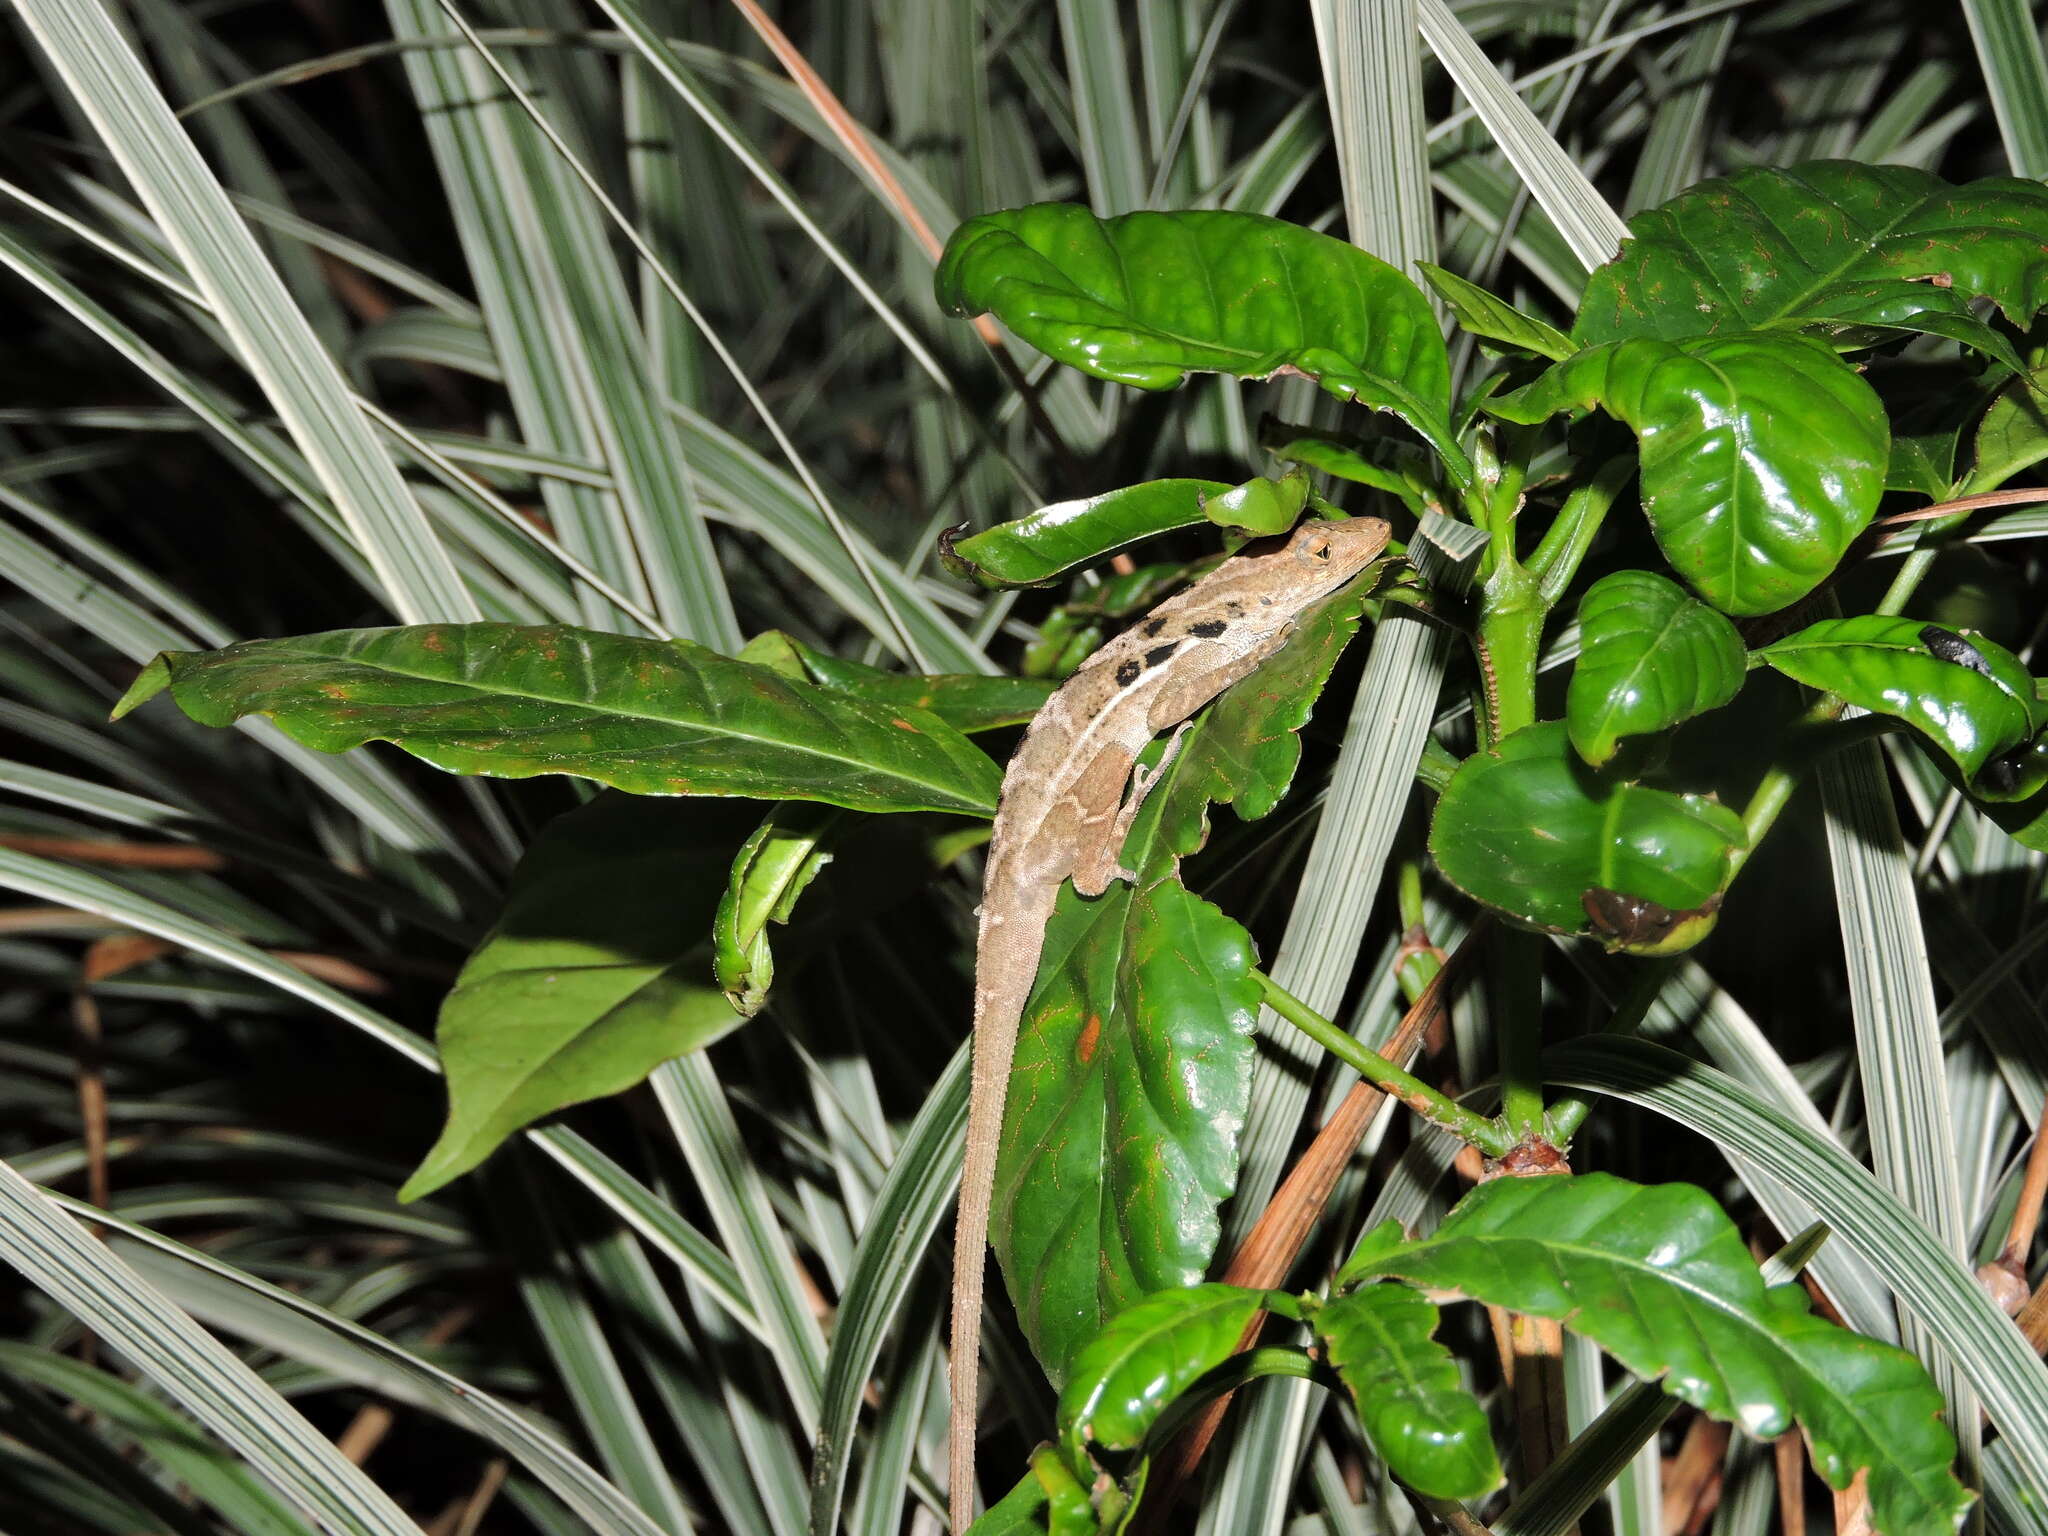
(1006, 964)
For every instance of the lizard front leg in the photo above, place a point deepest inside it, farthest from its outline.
(1101, 853)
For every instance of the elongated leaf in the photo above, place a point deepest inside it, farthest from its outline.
(967, 701)
(1148, 298)
(1145, 1357)
(2013, 434)
(1659, 1277)
(1649, 658)
(599, 969)
(1495, 319)
(1429, 1430)
(1066, 534)
(1763, 455)
(1828, 245)
(1967, 694)
(206, 1378)
(647, 716)
(1531, 831)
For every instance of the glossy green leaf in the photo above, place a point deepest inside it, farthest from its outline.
(1147, 1356)
(651, 717)
(1148, 298)
(1649, 658)
(1127, 1091)
(1067, 534)
(1494, 319)
(1763, 455)
(1020, 1512)
(1260, 506)
(1967, 694)
(1830, 245)
(1429, 1430)
(968, 701)
(1531, 831)
(1400, 469)
(772, 869)
(1659, 1277)
(1246, 749)
(598, 971)
(2013, 434)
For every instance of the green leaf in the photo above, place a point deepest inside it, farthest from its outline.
(651, 717)
(1830, 245)
(1968, 695)
(1020, 1512)
(771, 870)
(1429, 1430)
(1649, 658)
(1067, 534)
(1245, 750)
(1484, 314)
(1147, 1356)
(1400, 469)
(1148, 298)
(970, 702)
(1763, 455)
(1260, 506)
(1533, 832)
(1127, 1092)
(598, 971)
(1660, 1278)
(2013, 434)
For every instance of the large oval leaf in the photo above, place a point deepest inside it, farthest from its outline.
(1533, 832)
(1968, 695)
(1660, 1278)
(1763, 455)
(1148, 298)
(598, 971)
(1429, 1430)
(1832, 245)
(1649, 658)
(1129, 1085)
(1148, 1355)
(653, 717)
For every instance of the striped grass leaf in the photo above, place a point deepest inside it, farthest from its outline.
(1898, 1037)
(236, 1301)
(60, 1257)
(1921, 1269)
(271, 337)
(2015, 76)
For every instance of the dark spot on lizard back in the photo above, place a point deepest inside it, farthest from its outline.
(1208, 629)
(1129, 672)
(1152, 627)
(1159, 653)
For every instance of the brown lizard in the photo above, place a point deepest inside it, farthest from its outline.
(1064, 813)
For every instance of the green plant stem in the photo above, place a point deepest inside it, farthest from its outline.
(1556, 558)
(1518, 975)
(1487, 1135)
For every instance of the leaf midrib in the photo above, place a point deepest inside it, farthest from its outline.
(709, 728)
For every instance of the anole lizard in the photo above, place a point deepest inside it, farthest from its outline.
(1064, 813)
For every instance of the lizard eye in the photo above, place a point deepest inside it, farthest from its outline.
(1317, 549)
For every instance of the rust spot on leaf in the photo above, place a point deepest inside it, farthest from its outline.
(1091, 1039)
(904, 725)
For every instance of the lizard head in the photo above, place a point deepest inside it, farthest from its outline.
(1314, 560)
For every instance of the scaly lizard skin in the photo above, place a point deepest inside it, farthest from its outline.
(1064, 814)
